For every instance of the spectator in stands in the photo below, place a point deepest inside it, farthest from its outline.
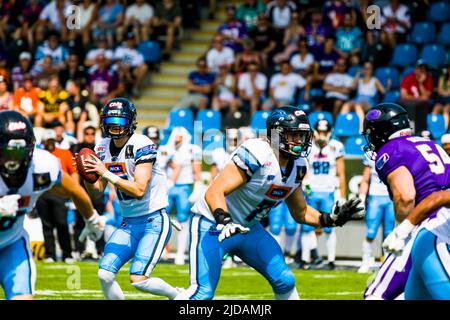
(219, 55)
(52, 208)
(18, 72)
(54, 105)
(284, 86)
(317, 31)
(73, 71)
(53, 17)
(325, 60)
(200, 86)
(292, 35)
(349, 37)
(64, 140)
(4, 69)
(168, 21)
(280, 14)
(395, 21)
(247, 56)
(138, 18)
(233, 30)
(30, 21)
(367, 89)
(443, 99)
(131, 65)
(103, 83)
(52, 47)
(302, 61)
(251, 87)
(88, 10)
(224, 94)
(335, 10)
(43, 71)
(415, 93)
(445, 140)
(5, 95)
(264, 37)
(109, 21)
(26, 101)
(248, 12)
(338, 85)
(101, 48)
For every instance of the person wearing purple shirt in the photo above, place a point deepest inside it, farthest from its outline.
(335, 10)
(325, 60)
(234, 31)
(317, 30)
(412, 167)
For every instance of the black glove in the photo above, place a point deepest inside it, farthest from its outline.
(352, 209)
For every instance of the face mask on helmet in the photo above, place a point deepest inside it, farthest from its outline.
(116, 127)
(295, 143)
(14, 157)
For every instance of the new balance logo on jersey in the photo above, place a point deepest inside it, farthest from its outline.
(278, 192)
(116, 168)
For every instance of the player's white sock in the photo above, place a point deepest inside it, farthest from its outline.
(309, 242)
(288, 243)
(156, 286)
(183, 237)
(291, 295)
(110, 287)
(366, 251)
(331, 245)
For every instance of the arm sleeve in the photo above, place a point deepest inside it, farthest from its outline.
(145, 152)
(248, 158)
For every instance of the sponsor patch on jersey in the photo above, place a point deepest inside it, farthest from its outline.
(41, 181)
(382, 161)
(278, 192)
(144, 151)
(101, 149)
(301, 172)
(129, 154)
(116, 167)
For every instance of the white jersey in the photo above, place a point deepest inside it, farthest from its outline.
(376, 186)
(184, 156)
(322, 166)
(44, 172)
(220, 158)
(440, 225)
(162, 159)
(266, 186)
(138, 149)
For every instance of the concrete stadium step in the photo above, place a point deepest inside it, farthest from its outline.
(164, 91)
(195, 48)
(177, 68)
(169, 79)
(156, 103)
(184, 57)
(150, 122)
(205, 35)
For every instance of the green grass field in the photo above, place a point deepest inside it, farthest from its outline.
(79, 281)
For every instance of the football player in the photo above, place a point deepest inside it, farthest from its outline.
(185, 160)
(260, 174)
(412, 167)
(127, 160)
(379, 208)
(25, 174)
(326, 162)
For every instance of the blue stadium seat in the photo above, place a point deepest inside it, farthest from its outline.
(314, 117)
(210, 119)
(404, 55)
(213, 140)
(354, 146)
(314, 92)
(439, 12)
(436, 125)
(353, 70)
(259, 118)
(423, 32)
(151, 51)
(165, 134)
(407, 71)
(182, 117)
(444, 35)
(434, 55)
(391, 96)
(347, 125)
(385, 73)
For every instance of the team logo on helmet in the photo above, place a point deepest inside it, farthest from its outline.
(15, 126)
(373, 115)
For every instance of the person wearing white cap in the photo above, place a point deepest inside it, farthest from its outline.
(445, 140)
(19, 72)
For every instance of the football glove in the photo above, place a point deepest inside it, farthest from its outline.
(94, 227)
(352, 209)
(9, 205)
(395, 242)
(226, 225)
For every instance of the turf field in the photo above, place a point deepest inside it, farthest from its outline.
(79, 281)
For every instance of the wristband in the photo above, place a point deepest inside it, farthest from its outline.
(221, 216)
(111, 177)
(325, 220)
(405, 228)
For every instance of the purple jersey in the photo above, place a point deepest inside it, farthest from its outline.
(233, 30)
(427, 162)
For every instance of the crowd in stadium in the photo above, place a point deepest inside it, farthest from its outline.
(322, 56)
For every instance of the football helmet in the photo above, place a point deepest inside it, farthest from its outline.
(118, 118)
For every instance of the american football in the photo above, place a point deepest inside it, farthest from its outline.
(84, 153)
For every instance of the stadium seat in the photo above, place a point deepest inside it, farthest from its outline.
(213, 140)
(436, 125)
(353, 70)
(423, 32)
(434, 55)
(385, 73)
(151, 51)
(314, 92)
(181, 117)
(319, 115)
(347, 125)
(391, 96)
(404, 55)
(439, 12)
(259, 118)
(444, 35)
(210, 119)
(165, 134)
(354, 146)
(407, 71)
